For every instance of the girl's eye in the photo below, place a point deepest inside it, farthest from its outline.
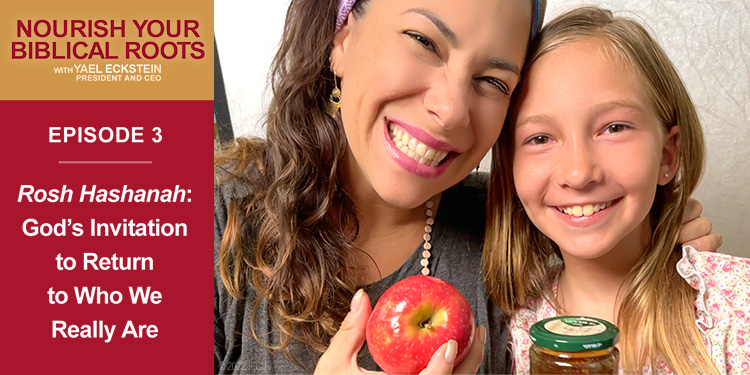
(500, 85)
(538, 140)
(423, 40)
(615, 128)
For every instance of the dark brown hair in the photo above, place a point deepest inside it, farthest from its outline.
(288, 239)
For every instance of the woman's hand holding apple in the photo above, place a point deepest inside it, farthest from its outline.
(341, 355)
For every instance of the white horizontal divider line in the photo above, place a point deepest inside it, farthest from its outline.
(105, 162)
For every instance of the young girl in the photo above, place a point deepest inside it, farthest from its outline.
(601, 153)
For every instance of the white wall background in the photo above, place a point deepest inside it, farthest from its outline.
(708, 40)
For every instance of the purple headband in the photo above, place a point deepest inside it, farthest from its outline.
(345, 7)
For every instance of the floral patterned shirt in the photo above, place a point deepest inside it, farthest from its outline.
(722, 312)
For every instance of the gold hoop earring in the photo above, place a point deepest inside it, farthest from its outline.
(334, 101)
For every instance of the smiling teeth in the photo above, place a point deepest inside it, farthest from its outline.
(586, 210)
(414, 149)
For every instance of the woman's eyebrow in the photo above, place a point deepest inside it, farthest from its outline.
(504, 64)
(442, 26)
(493, 63)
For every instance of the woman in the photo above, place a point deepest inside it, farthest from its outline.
(335, 200)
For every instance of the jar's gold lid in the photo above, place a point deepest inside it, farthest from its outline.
(574, 333)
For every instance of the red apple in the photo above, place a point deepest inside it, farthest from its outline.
(413, 318)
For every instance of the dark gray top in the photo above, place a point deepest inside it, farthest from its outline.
(456, 257)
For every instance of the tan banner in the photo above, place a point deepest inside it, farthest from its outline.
(100, 50)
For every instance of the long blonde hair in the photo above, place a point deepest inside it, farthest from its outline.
(654, 324)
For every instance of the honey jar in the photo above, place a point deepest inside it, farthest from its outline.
(574, 345)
